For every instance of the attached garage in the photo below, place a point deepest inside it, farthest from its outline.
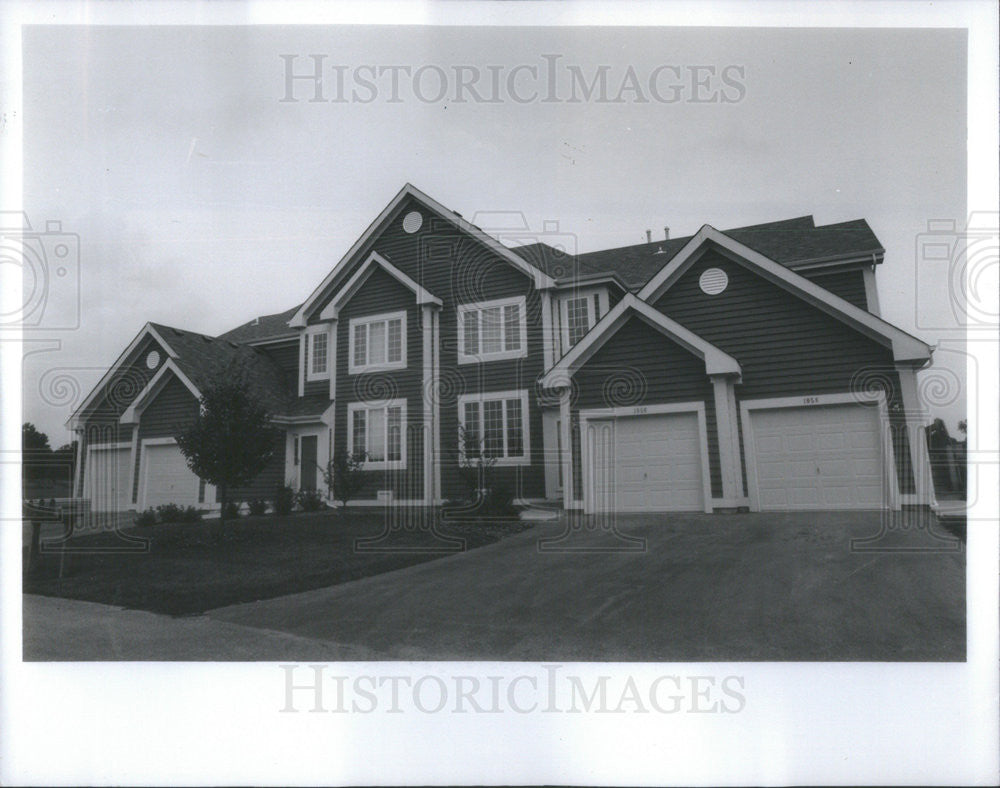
(166, 477)
(109, 477)
(817, 453)
(646, 459)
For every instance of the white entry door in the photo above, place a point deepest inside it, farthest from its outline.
(656, 464)
(820, 457)
(110, 473)
(166, 478)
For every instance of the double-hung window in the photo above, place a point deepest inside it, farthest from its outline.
(317, 353)
(378, 342)
(378, 431)
(495, 425)
(492, 330)
(580, 312)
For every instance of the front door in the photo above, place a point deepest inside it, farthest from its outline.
(309, 466)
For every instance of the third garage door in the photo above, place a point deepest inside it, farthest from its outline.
(819, 457)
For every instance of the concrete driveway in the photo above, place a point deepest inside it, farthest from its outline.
(737, 587)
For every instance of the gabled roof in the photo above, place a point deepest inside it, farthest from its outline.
(196, 358)
(905, 347)
(341, 269)
(374, 261)
(716, 361)
(147, 331)
(795, 243)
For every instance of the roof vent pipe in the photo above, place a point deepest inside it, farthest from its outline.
(649, 236)
(666, 233)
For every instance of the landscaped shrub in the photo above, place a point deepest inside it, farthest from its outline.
(284, 499)
(499, 502)
(147, 517)
(258, 506)
(190, 515)
(169, 513)
(309, 500)
(231, 510)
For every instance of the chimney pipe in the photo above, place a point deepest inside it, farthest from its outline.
(649, 236)
(666, 233)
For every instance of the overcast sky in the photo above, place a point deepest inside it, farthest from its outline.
(202, 200)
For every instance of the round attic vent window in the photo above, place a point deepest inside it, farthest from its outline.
(153, 359)
(412, 221)
(713, 281)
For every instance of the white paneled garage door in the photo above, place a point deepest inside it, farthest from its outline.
(657, 463)
(167, 479)
(110, 479)
(820, 457)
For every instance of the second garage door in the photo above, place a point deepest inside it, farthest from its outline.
(820, 457)
(109, 471)
(657, 464)
(167, 479)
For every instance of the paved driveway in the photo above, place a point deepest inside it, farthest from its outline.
(737, 587)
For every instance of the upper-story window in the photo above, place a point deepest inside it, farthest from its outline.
(318, 353)
(580, 312)
(492, 330)
(378, 342)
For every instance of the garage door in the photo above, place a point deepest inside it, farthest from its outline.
(167, 477)
(110, 475)
(822, 457)
(657, 464)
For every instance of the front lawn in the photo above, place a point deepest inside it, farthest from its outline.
(183, 571)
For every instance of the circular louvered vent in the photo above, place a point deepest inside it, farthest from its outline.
(152, 359)
(412, 221)
(713, 281)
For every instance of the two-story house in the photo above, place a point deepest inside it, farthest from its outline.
(745, 368)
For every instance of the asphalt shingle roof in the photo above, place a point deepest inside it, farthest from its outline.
(201, 358)
(263, 327)
(790, 242)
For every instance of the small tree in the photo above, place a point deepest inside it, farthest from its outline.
(231, 438)
(344, 475)
(474, 466)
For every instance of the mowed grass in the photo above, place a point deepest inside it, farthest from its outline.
(182, 569)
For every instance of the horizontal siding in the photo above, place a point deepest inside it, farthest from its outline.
(849, 285)
(640, 366)
(286, 358)
(169, 414)
(459, 270)
(785, 346)
(383, 293)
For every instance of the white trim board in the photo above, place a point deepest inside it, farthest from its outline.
(332, 310)
(905, 347)
(147, 331)
(142, 401)
(541, 279)
(818, 400)
(716, 361)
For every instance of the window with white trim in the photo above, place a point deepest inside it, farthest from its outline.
(318, 353)
(496, 425)
(379, 432)
(377, 342)
(580, 313)
(492, 330)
